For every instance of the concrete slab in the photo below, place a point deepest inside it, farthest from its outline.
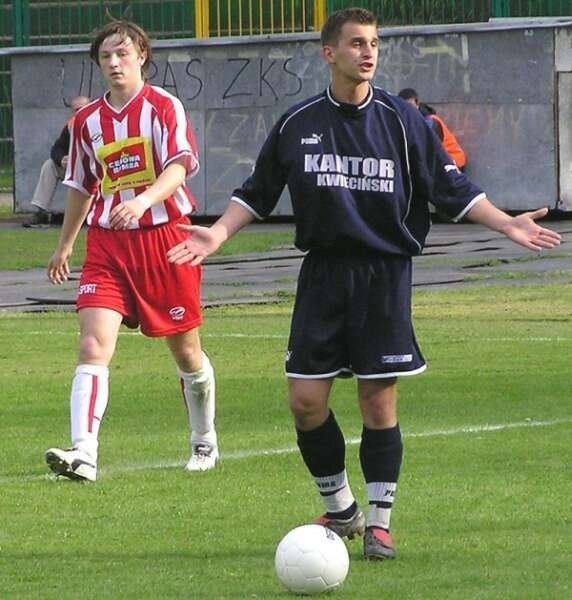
(6, 199)
(455, 256)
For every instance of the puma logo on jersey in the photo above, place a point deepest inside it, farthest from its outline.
(315, 139)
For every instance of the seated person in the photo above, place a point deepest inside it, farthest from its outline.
(52, 172)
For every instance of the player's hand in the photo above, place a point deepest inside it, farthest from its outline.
(58, 267)
(201, 243)
(126, 213)
(64, 162)
(523, 230)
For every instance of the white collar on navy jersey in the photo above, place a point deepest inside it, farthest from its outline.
(356, 107)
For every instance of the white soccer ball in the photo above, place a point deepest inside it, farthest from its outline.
(311, 559)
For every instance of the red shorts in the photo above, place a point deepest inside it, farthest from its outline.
(128, 272)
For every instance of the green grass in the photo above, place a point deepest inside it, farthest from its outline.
(252, 241)
(7, 213)
(482, 513)
(6, 178)
(22, 249)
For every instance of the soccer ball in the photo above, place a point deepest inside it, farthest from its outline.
(311, 559)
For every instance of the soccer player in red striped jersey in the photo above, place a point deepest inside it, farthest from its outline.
(130, 153)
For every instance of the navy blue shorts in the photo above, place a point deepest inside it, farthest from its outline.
(352, 316)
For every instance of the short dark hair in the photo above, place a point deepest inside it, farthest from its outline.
(408, 94)
(334, 23)
(124, 29)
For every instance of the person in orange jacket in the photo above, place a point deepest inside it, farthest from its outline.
(448, 139)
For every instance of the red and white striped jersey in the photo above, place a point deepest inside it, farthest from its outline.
(117, 154)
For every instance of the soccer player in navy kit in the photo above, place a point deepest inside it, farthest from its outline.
(361, 166)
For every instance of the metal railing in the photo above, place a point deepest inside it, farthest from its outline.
(256, 17)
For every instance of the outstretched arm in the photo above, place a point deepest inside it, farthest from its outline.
(521, 229)
(203, 241)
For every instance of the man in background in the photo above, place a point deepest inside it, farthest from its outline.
(448, 139)
(53, 171)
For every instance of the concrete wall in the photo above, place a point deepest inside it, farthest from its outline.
(504, 89)
(564, 114)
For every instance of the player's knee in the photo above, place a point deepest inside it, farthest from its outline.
(308, 412)
(188, 358)
(93, 349)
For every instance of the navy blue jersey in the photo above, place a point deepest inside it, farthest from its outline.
(360, 177)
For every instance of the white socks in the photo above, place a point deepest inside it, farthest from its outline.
(335, 491)
(88, 401)
(381, 495)
(199, 394)
(90, 394)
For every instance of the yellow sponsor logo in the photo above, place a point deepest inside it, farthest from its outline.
(126, 164)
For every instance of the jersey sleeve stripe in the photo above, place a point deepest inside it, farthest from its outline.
(72, 184)
(467, 208)
(321, 99)
(247, 207)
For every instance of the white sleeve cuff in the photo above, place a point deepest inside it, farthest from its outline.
(467, 208)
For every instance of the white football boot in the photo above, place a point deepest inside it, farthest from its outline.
(203, 457)
(71, 463)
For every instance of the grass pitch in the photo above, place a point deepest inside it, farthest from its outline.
(22, 249)
(483, 505)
